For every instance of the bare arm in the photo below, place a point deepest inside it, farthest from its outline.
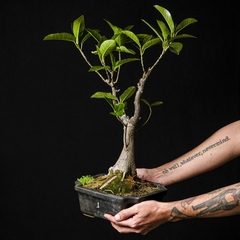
(221, 147)
(144, 217)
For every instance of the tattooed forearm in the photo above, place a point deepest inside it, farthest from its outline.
(187, 202)
(179, 215)
(196, 155)
(226, 200)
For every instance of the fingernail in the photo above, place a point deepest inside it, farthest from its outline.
(117, 217)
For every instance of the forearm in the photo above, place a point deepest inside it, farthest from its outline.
(218, 149)
(219, 203)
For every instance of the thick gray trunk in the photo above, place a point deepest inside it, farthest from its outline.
(126, 160)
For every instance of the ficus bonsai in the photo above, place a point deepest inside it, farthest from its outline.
(111, 53)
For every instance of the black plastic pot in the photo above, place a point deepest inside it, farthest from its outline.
(94, 203)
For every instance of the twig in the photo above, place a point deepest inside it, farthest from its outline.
(106, 183)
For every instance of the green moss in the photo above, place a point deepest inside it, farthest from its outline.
(85, 179)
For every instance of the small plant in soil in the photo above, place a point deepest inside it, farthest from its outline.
(122, 48)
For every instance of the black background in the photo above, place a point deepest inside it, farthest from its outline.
(52, 132)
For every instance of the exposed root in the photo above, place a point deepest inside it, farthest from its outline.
(107, 183)
(115, 184)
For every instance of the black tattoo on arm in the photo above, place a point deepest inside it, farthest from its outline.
(227, 200)
(177, 214)
(196, 155)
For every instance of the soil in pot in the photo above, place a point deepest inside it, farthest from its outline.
(129, 186)
(115, 194)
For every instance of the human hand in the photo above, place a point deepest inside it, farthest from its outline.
(141, 218)
(148, 174)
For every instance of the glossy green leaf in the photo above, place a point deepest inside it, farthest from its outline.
(107, 47)
(143, 38)
(186, 22)
(154, 29)
(113, 60)
(113, 27)
(156, 104)
(97, 52)
(78, 27)
(110, 102)
(114, 114)
(97, 68)
(152, 104)
(119, 106)
(127, 93)
(119, 109)
(176, 47)
(95, 34)
(85, 38)
(125, 50)
(164, 29)
(182, 36)
(123, 61)
(151, 43)
(120, 39)
(60, 36)
(132, 36)
(146, 102)
(129, 27)
(104, 95)
(167, 16)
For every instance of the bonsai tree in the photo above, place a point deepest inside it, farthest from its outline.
(110, 52)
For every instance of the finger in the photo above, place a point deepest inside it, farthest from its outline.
(109, 217)
(126, 213)
(140, 172)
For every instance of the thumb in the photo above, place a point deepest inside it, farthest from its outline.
(141, 172)
(117, 217)
(125, 214)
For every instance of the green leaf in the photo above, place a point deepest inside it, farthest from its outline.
(186, 22)
(95, 34)
(119, 109)
(110, 102)
(97, 52)
(60, 36)
(114, 114)
(176, 47)
(151, 43)
(113, 60)
(97, 68)
(167, 16)
(154, 29)
(125, 50)
(127, 93)
(104, 95)
(129, 27)
(123, 61)
(182, 36)
(132, 36)
(85, 38)
(113, 27)
(119, 106)
(146, 102)
(78, 27)
(144, 37)
(156, 104)
(152, 104)
(164, 29)
(120, 39)
(107, 47)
